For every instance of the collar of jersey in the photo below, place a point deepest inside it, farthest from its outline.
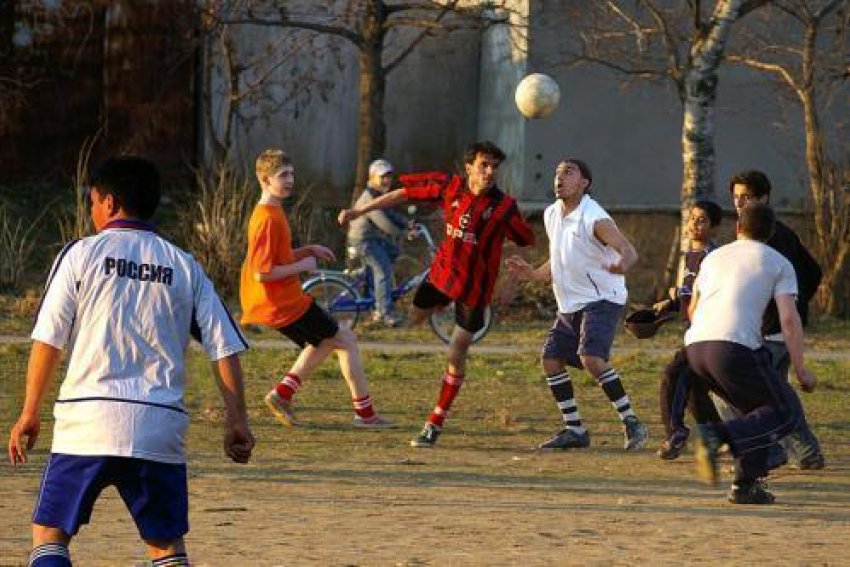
(131, 224)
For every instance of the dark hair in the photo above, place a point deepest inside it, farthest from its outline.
(755, 180)
(712, 209)
(583, 168)
(132, 181)
(486, 148)
(757, 221)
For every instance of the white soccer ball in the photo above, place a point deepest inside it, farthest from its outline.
(537, 96)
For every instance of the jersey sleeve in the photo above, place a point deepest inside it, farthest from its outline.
(786, 283)
(212, 324)
(263, 244)
(519, 231)
(57, 311)
(424, 186)
(593, 215)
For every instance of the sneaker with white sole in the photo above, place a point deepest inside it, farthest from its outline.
(427, 437)
(374, 422)
(750, 492)
(281, 409)
(635, 433)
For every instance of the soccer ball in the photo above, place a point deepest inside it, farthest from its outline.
(537, 96)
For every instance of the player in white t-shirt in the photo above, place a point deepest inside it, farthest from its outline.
(124, 303)
(725, 349)
(588, 257)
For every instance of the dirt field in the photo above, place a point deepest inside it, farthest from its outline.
(461, 504)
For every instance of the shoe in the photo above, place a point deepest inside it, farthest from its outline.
(706, 451)
(635, 433)
(567, 439)
(754, 492)
(374, 422)
(427, 437)
(812, 463)
(281, 409)
(674, 445)
(391, 321)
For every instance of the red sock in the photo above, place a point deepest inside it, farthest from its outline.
(288, 386)
(450, 388)
(363, 407)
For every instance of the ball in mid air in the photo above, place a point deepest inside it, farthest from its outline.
(537, 96)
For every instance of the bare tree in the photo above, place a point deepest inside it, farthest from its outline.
(682, 43)
(368, 25)
(810, 61)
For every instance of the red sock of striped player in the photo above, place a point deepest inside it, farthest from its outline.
(448, 392)
(288, 386)
(363, 407)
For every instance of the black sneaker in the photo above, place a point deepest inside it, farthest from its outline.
(674, 445)
(754, 492)
(635, 433)
(706, 448)
(427, 437)
(567, 439)
(812, 462)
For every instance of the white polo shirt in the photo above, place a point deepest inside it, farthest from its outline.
(735, 284)
(578, 259)
(123, 302)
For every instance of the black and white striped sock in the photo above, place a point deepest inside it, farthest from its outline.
(613, 388)
(176, 560)
(562, 389)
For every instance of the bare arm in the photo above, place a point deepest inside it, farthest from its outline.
(792, 332)
(317, 250)
(44, 359)
(608, 233)
(306, 264)
(238, 439)
(387, 200)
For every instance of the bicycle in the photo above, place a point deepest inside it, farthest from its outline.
(339, 292)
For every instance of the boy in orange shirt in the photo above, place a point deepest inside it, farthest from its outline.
(271, 295)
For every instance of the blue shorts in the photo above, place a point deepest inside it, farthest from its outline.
(587, 332)
(156, 494)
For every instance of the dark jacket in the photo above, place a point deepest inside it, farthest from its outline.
(787, 243)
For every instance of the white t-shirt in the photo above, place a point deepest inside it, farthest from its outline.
(578, 259)
(123, 301)
(735, 284)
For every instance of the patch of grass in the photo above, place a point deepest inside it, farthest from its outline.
(504, 406)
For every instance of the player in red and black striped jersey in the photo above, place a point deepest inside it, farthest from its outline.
(479, 217)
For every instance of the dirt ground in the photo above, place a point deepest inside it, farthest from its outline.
(461, 504)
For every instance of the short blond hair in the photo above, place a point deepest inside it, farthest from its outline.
(271, 161)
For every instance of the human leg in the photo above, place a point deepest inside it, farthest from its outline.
(560, 346)
(378, 258)
(769, 408)
(49, 547)
(468, 322)
(596, 336)
(801, 445)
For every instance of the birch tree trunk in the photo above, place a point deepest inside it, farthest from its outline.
(700, 95)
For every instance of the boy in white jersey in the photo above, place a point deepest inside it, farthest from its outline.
(588, 256)
(726, 350)
(124, 302)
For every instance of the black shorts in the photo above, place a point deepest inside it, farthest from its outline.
(468, 318)
(315, 326)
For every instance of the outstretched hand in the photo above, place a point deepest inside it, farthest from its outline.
(322, 252)
(346, 216)
(519, 267)
(25, 427)
(808, 381)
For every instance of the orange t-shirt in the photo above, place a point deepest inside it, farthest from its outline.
(281, 302)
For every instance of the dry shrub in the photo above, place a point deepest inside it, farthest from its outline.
(213, 225)
(17, 243)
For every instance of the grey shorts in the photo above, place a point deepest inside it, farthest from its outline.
(588, 332)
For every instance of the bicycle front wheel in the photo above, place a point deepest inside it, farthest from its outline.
(443, 323)
(337, 297)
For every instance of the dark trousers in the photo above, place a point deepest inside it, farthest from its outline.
(746, 379)
(801, 443)
(677, 390)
